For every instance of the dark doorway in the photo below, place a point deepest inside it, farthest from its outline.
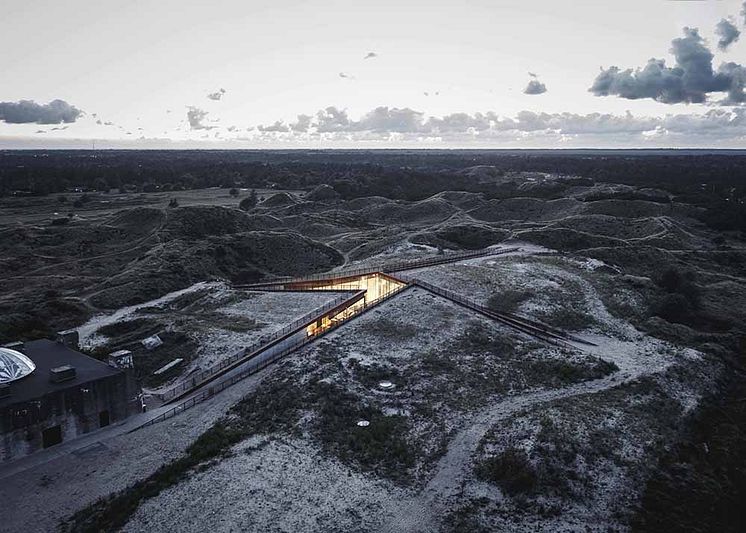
(103, 419)
(51, 436)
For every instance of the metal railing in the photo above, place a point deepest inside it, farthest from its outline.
(380, 268)
(254, 349)
(254, 365)
(530, 327)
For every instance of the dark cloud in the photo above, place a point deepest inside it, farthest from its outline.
(28, 111)
(535, 87)
(332, 119)
(457, 123)
(390, 120)
(370, 55)
(196, 118)
(277, 127)
(727, 33)
(407, 124)
(217, 95)
(689, 81)
(302, 124)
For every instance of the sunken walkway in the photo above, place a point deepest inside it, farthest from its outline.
(361, 290)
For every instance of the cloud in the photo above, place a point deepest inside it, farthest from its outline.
(524, 128)
(346, 76)
(691, 80)
(217, 95)
(370, 55)
(332, 119)
(743, 13)
(535, 87)
(277, 127)
(302, 124)
(727, 32)
(385, 119)
(28, 111)
(196, 117)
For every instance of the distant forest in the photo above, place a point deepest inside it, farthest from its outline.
(712, 180)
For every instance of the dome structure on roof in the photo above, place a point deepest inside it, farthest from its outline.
(14, 365)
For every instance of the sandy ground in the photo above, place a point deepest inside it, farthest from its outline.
(272, 485)
(36, 499)
(114, 460)
(207, 320)
(290, 483)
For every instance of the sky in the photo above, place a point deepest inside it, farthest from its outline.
(404, 73)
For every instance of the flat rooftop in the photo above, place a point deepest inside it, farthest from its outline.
(46, 355)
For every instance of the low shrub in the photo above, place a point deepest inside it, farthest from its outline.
(508, 301)
(511, 471)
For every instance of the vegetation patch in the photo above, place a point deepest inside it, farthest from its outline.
(371, 375)
(567, 318)
(138, 326)
(511, 470)
(700, 484)
(509, 300)
(381, 447)
(390, 329)
(278, 407)
(557, 372)
(476, 337)
(113, 512)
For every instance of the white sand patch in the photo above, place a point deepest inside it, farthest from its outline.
(277, 485)
(88, 337)
(272, 311)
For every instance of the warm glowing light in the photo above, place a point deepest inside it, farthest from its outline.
(376, 286)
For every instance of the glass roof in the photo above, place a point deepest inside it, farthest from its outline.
(14, 365)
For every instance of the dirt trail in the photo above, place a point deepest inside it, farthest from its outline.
(635, 356)
(424, 511)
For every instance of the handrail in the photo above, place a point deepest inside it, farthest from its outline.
(381, 267)
(533, 328)
(263, 342)
(255, 366)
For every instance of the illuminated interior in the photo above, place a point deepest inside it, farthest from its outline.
(376, 286)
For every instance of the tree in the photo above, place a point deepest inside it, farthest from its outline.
(173, 203)
(233, 192)
(101, 185)
(249, 202)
